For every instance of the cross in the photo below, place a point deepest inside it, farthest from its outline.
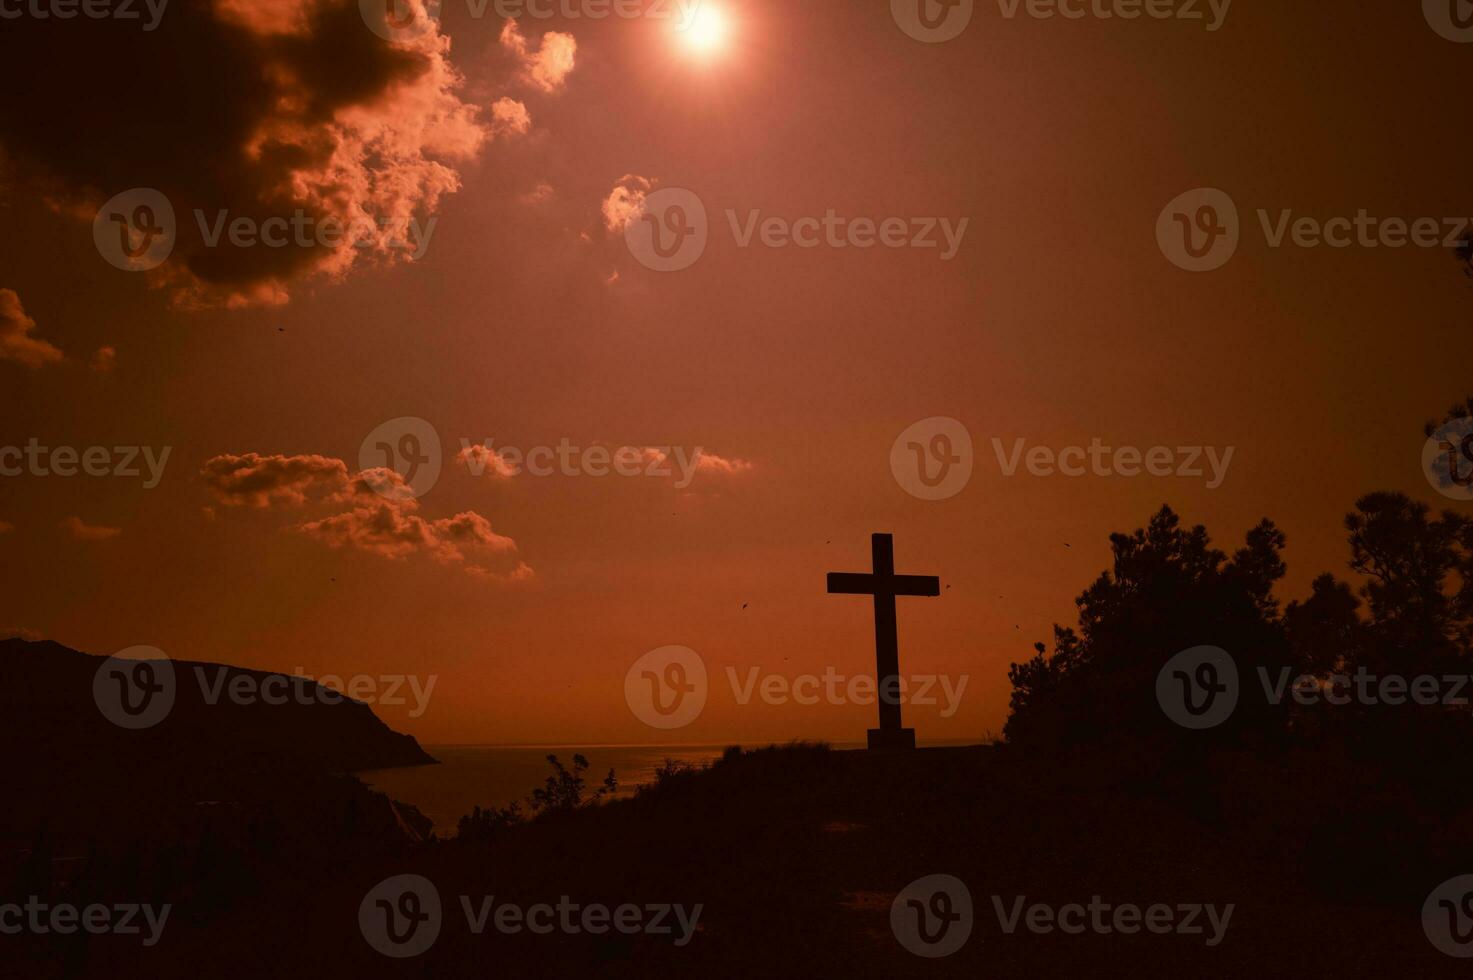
(885, 585)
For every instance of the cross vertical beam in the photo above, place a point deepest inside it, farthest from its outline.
(884, 585)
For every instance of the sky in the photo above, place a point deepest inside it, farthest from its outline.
(536, 311)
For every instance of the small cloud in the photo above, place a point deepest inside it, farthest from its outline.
(687, 466)
(706, 462)
(81, 531)
(383, 517)
(377, 482)
(484, 461)
(548, 67)
(711, 463)
(379, 528)
(611, 278)
(105, 360)
(252, 480)
(464, 537)
(509, 118)
(16, 342)
(539, 194)
(391, 528)
(626, 201)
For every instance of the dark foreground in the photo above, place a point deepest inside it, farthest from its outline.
(794, 856)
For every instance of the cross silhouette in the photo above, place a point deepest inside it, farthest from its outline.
(885, 585)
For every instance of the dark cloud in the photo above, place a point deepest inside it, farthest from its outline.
(16, 342)
(252, 480)
(104, 360)
(80, 530)
(381, 516)
(261, 109)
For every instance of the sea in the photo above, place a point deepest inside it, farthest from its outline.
(469, 776)
(485, 776)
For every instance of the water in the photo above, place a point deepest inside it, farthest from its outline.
(493, 775)
(485, 776)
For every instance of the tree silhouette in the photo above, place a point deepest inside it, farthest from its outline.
(1418, 621)
(563, 790)
(561, 793)
(1168, 590)
(483, 825)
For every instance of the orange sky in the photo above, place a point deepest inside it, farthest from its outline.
(1058, 321)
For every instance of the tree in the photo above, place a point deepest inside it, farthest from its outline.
(1417, 588)
(563, 791)
(1325, 631)
(1168, 590)
(482, 825)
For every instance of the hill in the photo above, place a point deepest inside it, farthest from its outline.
(786, 863)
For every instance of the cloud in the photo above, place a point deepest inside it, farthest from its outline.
(81, 531)
(706, 462)
(541, 193)
(392, 530)
(481, 460)
(509, 118)
(686, 466)
(291, 106)
(379, 527)
(385, 522)
(382, 516)
(548, 67)
(16, 342)
(252, 480)
(720, 465)
(377, 482)
(19, 632)
(626, 201)
(105, 360)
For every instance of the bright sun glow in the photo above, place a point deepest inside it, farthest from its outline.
(704, 30)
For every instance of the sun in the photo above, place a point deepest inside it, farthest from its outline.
(704, 29)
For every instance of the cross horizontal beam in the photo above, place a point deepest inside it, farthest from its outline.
(864, 583)
(884, 585)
